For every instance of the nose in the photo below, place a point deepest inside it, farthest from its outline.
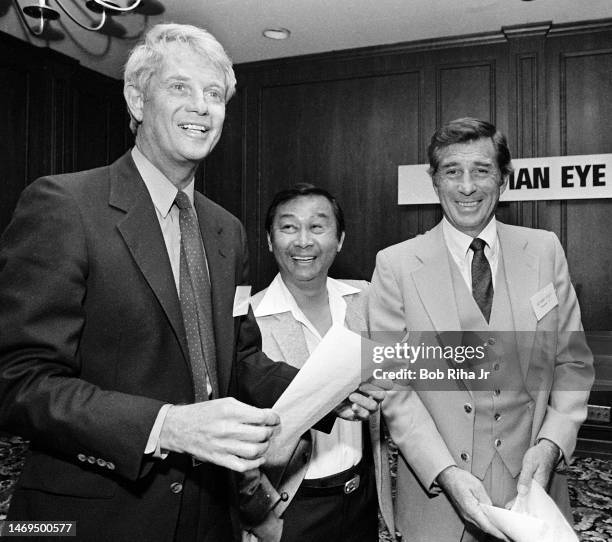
(198, 103)
(303, 238)
(467, 185)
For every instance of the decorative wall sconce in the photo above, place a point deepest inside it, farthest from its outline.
(43, 12)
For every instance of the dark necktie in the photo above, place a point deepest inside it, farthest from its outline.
(482, 283)
(196, 303)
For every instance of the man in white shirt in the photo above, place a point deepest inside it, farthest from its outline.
(473, 273)
(328, 489)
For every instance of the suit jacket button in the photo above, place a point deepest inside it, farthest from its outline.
(176, 487)
(91, 459)
(492, 340)
(465, 456)
(110, 465)
(497, 443)
(82, 457)
(101, 462)
(284, 496)
(467, 407)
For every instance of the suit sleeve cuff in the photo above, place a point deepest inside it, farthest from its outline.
(258, 498)
(153, 444)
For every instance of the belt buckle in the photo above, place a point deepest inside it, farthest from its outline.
(352, 484)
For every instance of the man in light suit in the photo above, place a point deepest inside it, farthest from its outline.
(330, 483)
(474, 273)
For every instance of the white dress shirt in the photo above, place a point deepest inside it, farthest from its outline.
(342, 448)
(458, 244)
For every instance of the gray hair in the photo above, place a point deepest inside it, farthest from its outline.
(148, 55)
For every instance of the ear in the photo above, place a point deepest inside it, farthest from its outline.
(134, 99)
(269, 242)
(341, 242)
(432, 174)
(503, 184)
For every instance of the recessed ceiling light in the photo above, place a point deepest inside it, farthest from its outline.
(276, 33)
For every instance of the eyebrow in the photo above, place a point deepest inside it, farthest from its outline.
(185, 78)
(458, 163)
(176, 77)
(293, 215)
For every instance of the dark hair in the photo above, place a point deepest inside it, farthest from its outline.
(465, 130)
(300, 190)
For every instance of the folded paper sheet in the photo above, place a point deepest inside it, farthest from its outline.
(329, 375)
(534, 517)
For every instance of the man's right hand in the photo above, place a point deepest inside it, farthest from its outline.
(222, 431)
(467, 493)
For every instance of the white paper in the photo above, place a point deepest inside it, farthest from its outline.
(534, 517)
(329, 375)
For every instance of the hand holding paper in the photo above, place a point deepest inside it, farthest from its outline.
(533, 518)
(331, 373)
(538, 463)
(364, 402)
(468, 495)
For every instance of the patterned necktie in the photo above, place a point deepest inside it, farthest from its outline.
(196, 303)
(482, 283)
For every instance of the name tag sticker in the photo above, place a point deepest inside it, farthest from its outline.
(241, 300)
(544, 301)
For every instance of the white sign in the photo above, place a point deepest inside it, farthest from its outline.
(552, 178)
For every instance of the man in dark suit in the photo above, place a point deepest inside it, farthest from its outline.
(118, 344)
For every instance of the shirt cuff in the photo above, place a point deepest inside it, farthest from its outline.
(153, 444)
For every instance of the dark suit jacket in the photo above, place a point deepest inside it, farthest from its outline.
(92, 344)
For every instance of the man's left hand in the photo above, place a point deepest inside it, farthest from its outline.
(363, 402)
(538, 463)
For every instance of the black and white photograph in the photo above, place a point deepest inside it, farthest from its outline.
(306, 270)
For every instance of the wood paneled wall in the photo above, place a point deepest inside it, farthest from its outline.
(55, 117)
(346, 120)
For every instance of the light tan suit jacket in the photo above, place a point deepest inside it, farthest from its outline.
(412, 290)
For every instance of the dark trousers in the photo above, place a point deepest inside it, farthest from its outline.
(326, 515)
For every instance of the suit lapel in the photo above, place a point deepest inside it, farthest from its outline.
(142, 235)
(434, 284)
(354, 318)
(288, 334)
(521, 266)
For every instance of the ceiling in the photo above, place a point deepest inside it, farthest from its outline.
(315, 25)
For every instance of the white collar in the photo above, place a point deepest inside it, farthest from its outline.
(458, 243)
(162, 191)
(278, 298)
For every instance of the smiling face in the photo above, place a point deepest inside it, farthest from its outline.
(180, 113)
(468, 182)
(304, 240)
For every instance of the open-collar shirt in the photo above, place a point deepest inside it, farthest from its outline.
(342, 448)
